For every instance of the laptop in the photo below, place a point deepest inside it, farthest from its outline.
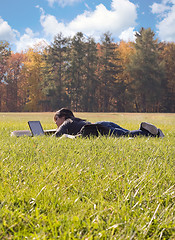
(36, 128)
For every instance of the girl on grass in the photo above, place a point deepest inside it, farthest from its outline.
(67, 123)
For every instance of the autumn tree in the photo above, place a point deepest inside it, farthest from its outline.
(167, 55)
(83, 75)
(13, 79)
(124, 92)
(4, 55)
(33, 78)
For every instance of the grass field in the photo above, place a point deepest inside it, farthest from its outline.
(98, 188)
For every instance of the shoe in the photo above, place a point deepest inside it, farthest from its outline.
(160, 133)
(149, 127)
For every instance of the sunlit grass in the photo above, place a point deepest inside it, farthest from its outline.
(98, 188)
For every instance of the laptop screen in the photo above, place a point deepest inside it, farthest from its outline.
(36, 128)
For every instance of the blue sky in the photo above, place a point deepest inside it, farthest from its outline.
(24, 23)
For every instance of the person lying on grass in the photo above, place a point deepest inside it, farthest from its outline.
(67, 123)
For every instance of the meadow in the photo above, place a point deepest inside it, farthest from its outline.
(97, 188)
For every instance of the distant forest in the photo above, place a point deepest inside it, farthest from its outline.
(86, 76)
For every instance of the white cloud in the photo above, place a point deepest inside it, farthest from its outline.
(63, 3)
(119, 18)
(128, 35)
(165, 26)
(160, 8)
(29, 39)
(52, 27)
(6, 32)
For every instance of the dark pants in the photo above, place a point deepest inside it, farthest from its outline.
(118, 131)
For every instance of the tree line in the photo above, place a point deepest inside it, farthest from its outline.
(83, 75)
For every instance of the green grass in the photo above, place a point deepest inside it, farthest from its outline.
(98, 188)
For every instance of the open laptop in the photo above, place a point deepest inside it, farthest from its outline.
(36, 128)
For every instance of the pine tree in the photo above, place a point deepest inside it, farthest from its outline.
(108, 71)
(54, 68)
(89, 100)
(76, 71)
(146, 71)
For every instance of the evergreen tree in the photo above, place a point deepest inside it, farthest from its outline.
(76, 71)
(89, 100)
(54, 68)
(108, 71)
(146, 71)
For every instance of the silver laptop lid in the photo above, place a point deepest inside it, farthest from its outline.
(36, 128)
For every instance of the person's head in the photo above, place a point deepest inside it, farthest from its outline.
(61, 115)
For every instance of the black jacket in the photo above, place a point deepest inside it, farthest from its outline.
(71, 126)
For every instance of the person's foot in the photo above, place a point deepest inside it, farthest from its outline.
(160, 133)
(153, 130)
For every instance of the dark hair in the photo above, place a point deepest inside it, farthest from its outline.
(64, 112)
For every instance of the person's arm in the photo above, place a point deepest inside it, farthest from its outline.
(63, 129)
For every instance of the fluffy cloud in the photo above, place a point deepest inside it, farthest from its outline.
(62, 2)
(128, 35)
(6, 32)
(119, 18)
(160, 8)
(51, 26)
(27, 40)
(166, 13)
